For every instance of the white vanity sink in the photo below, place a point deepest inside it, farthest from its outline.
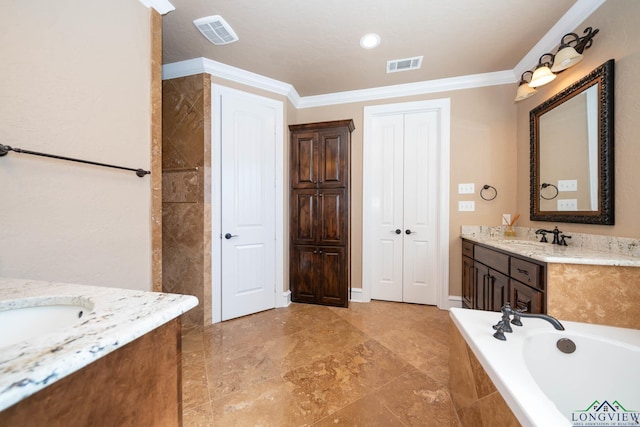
(20, 324)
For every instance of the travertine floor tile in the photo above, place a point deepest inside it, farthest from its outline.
(200, 416)
(366, 412)
(418, 400)
(376, 364)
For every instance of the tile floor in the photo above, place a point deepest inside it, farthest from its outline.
(375, 364)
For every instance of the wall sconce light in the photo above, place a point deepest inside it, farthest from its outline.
(524, 90)
(542, 75)
(569, 54)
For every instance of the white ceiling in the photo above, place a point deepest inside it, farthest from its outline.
(314, 44)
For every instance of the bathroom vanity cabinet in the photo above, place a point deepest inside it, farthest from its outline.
(319, 212)
(492, 277)
(119, 365)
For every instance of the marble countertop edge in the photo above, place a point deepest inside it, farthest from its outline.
(557, 254)
(117, 317)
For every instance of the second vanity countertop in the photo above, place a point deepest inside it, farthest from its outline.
(116, 318)
(550, 253)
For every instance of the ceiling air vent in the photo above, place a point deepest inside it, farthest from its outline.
(216, 29)
(404, 64)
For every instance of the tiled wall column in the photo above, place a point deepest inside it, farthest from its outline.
(599, 294)
(186, 186)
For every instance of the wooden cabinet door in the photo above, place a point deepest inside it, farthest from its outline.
(333, 150)
(304, 160)
(304, 274)
(333, 283)
(525, 298)
(303, 213)
(499, 289)
(481, 286)
(468, 286)
(491, 288)
(332, 217)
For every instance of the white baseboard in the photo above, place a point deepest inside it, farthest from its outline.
(357, 295)
(455, 301)
(284, 300)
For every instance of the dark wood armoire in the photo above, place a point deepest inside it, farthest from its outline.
(319, 212)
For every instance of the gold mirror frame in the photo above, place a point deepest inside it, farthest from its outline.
(603, 76)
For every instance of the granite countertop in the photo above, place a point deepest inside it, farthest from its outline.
(115, 317)
(547, 252)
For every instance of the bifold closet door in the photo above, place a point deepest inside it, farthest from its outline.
(403, 193)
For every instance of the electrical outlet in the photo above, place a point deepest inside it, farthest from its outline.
(466, 206)
(567, 185)
(506, 219)
(468, 188)
(567, 204)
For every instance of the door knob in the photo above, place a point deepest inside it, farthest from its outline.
(229, 235)
(397, 231)
(409, 231)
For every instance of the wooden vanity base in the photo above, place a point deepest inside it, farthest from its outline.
(137, 385)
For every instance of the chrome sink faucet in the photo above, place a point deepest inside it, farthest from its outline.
(504, 324)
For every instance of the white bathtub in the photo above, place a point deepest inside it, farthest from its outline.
(598, 384)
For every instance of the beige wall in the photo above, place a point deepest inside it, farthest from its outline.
(619, 39)
(483, 132)
(76, 81)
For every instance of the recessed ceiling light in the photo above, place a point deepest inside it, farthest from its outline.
(369, 41)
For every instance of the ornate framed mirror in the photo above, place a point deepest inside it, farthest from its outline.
(571, 146)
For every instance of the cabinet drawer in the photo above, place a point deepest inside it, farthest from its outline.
(496, 260)
(467, 249)
(526, 272)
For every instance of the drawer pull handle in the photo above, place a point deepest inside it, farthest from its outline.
(521, 271)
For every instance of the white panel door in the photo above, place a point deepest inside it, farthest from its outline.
(419, 283)
(247, 189)
(386, 162)
(403, 173)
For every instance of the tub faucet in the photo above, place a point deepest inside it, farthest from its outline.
(503, 325)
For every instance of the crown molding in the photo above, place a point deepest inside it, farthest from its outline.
(575, 16)
(161, 6)
(227, 72)
(408, 89)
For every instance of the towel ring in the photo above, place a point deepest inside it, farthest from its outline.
(545, 185)
(486, 187)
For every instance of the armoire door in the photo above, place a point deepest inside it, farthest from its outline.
(319, 212)
(320, 159)
(402, 206)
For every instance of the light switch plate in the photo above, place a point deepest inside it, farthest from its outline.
(567, 204)
(567, 185)
(468, 188)
(466, 206)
